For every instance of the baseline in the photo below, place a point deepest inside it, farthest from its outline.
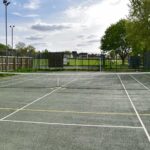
(77, 125)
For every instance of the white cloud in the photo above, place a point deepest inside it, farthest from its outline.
(34, 37)
(17, 14)
(32, 4)
(99, 13)
(49, 27)
(96, 18)
(85, 24)
(114, 2)
(26, 16)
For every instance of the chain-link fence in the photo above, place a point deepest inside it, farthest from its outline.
(11, 63)
(58, 61)
(87, 64)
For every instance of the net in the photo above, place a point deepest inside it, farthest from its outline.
(100, 81)
(39, 80)
(28, 81)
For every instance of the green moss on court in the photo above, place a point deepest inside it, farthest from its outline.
(6, 75)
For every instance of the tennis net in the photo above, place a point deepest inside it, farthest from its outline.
(105, 81)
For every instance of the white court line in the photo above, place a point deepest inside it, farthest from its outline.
(146, 132)
(34, 101)
(140, 83)
(77, 125)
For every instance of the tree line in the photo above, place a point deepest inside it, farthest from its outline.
(130, 35)
(21, 49)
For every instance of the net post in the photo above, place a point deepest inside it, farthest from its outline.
(58, 82)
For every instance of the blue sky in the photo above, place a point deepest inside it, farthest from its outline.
(59, 25)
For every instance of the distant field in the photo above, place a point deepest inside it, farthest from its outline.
(112, 64)
(109, 64)
(71, 62)
(40, 62)
(84, 62)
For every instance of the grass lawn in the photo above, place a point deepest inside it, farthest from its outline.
(40, 62)
(84, 62)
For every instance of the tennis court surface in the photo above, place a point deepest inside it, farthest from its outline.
(75, 111)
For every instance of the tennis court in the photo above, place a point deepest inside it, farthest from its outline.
(75, 111)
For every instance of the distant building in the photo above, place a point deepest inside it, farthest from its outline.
(67, 55)
(93, 56)
(74, 54)
(83, 55)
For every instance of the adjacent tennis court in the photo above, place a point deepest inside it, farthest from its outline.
(75, 111)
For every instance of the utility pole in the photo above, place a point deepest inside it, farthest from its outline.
(12, 35)
(6, 3)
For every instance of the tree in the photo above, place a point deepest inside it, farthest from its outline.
(112, 54)
(3, 49)
(67, 52)
(138, 28)
(21, 49)
(46, 51)
(24, 50)
(30, 50)
(115, 39)
(20, 45)
(43, 54)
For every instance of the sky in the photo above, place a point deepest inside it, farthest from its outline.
(60, 25)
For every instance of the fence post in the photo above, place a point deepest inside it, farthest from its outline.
(88, 64)
(116, 62)
(1, 63)
(21, 62)
(14, 63)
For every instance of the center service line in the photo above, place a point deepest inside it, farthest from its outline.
(146, 132)
(40, 98)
